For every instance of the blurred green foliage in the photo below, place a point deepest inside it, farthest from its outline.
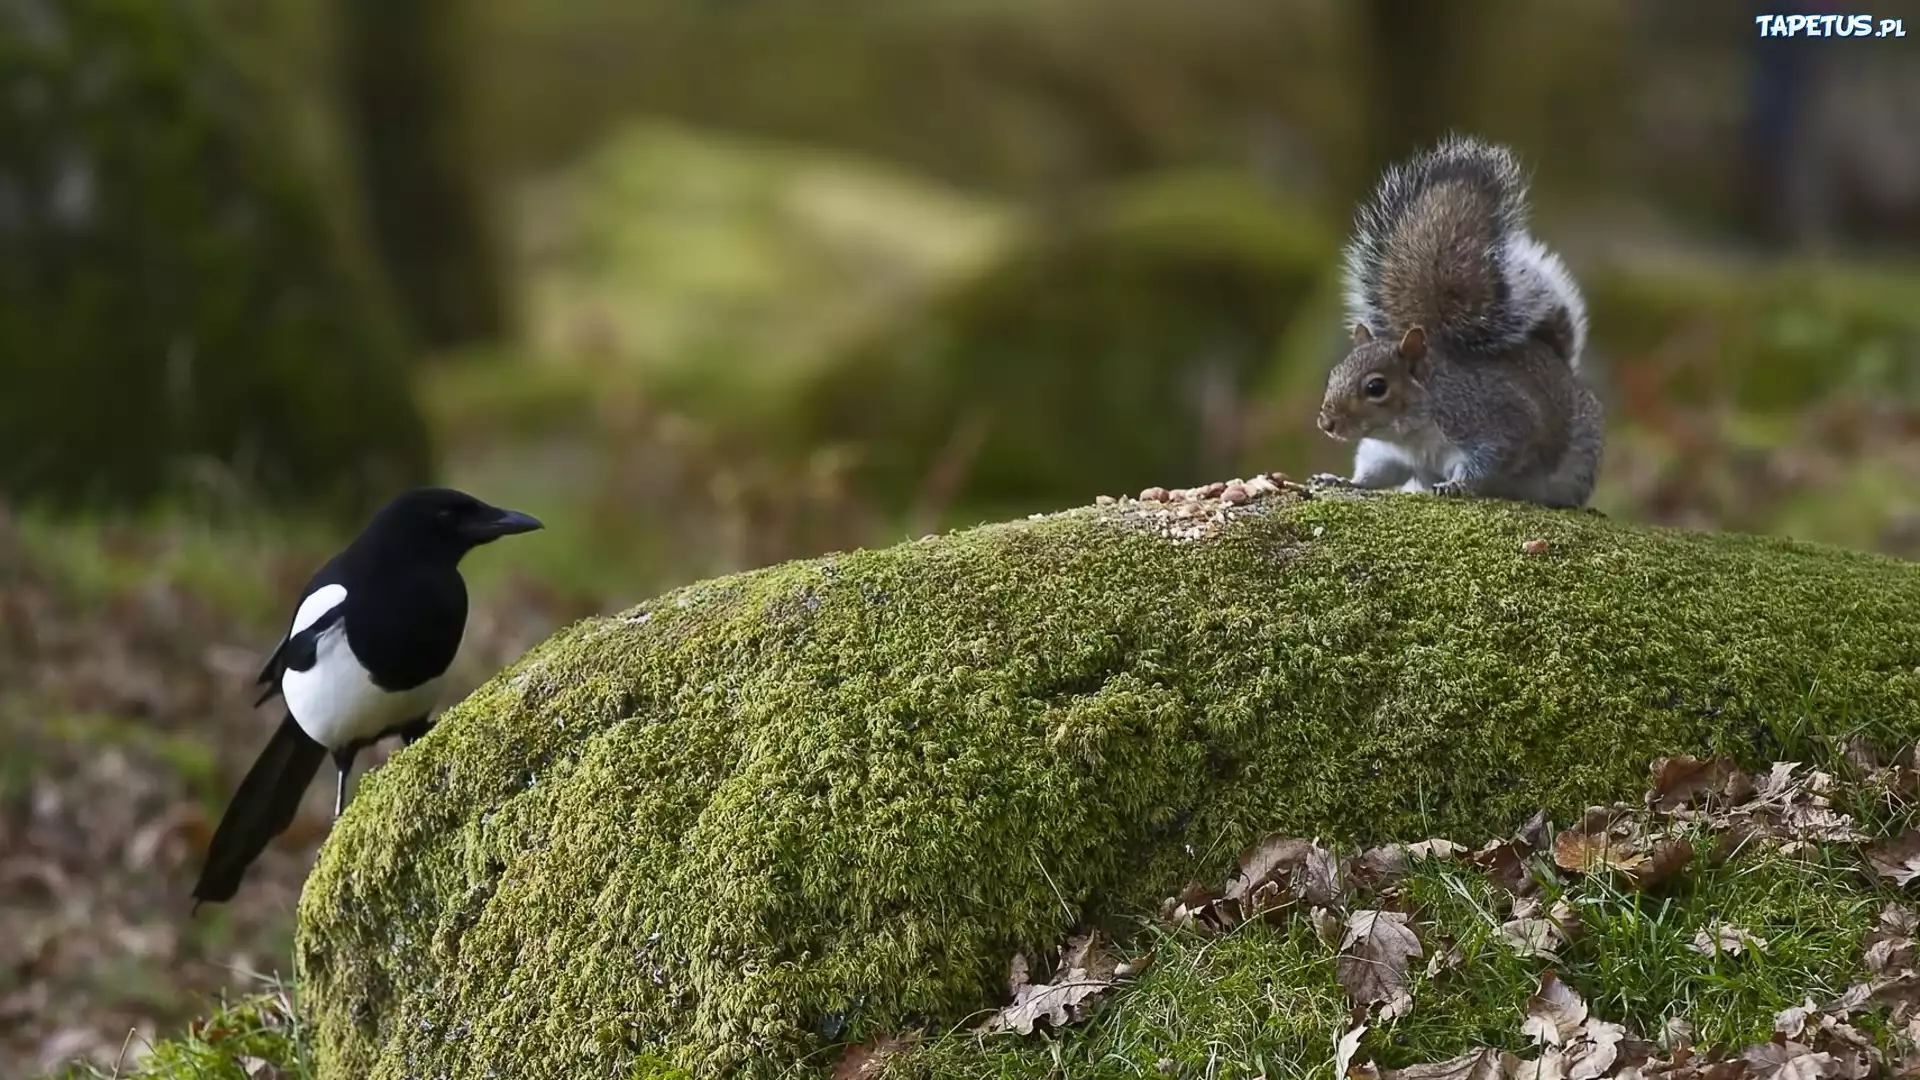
(173, 292)
(1113, 347)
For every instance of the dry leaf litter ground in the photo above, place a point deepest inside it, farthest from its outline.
(126, 657)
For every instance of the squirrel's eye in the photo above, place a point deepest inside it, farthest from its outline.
(1376, 388)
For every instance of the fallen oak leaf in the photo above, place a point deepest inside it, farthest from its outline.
(1783, 1059)
(1664, 861)
(1683, 781)
(1086, 972)
(1792, 1022)
(1504, 862)
(1596, 852)
(1372, 967)
(1889, 946)
(1482, 1064)
(1345, 1047)
(1326, 927)
(1197, 905)
(1555, 1013)
(1721, 937)
(1531, 936)
(1897, 858)
(1595, 1049)
(1390, 862)
(1280, 871)
(1532, 939)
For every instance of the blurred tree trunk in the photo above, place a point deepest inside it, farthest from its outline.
(403, 106)
(1420, 83)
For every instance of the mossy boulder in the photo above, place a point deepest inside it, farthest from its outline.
(1105, 350)
(827, 800)
(173, 290)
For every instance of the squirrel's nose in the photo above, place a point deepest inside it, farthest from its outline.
(1326, 423)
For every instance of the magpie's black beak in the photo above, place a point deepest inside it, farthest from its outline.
(496, 523)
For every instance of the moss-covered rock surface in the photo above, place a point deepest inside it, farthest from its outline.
(826, 801)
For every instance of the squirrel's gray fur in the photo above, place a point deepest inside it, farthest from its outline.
(1464, 375)
(1443, 245)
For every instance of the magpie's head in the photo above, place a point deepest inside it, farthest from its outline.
(442, 523)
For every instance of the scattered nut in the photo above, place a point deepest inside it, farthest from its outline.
(1234, 495)
(1213, 490)
(1534, 547)
(1154, 494)
(1318, 530)
(1103, 500)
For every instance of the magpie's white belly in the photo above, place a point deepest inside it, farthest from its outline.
(336, 701)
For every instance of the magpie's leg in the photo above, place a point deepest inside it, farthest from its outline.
(414, 730)
(343, 762)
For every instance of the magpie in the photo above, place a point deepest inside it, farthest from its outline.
(363, 659)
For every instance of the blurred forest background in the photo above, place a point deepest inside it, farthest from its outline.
(707, 285)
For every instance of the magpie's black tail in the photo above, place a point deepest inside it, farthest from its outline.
(261, 810)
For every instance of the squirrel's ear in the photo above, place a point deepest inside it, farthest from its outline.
(1361, 335)
(1413, 350)
(1414, 345)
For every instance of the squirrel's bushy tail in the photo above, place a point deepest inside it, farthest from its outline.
(1443, 244)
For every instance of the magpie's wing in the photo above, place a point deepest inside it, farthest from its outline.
(296, 651)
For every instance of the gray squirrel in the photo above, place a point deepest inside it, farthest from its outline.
(1464, 376)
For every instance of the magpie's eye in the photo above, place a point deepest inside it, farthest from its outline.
(445, 516)
(1376, 388)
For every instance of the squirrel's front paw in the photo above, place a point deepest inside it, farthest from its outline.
(1451, 488)
(1330, 480)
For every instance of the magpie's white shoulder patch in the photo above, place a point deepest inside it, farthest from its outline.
(318, 603)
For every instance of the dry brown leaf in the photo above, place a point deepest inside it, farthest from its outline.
(1555, 1013)
(1505, 864)
(1665, 859)
(1595, 1050)
(1197, 905)
(1345, 1048)
(1594, 853)
(1783, 1059)
(1390, 862)
(1280, 871)
(1326, 927)
(1889, 947)
(1792, 1022)
(1373, 957)
(866, 1062)
(1897, 858)
(1087, 970)
(1480, 1064)
(1532, 938)
(1724, 937)
(1685, 781)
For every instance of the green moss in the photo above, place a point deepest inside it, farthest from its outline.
(234, 1043)
(826, 800)
(1263, 1001)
